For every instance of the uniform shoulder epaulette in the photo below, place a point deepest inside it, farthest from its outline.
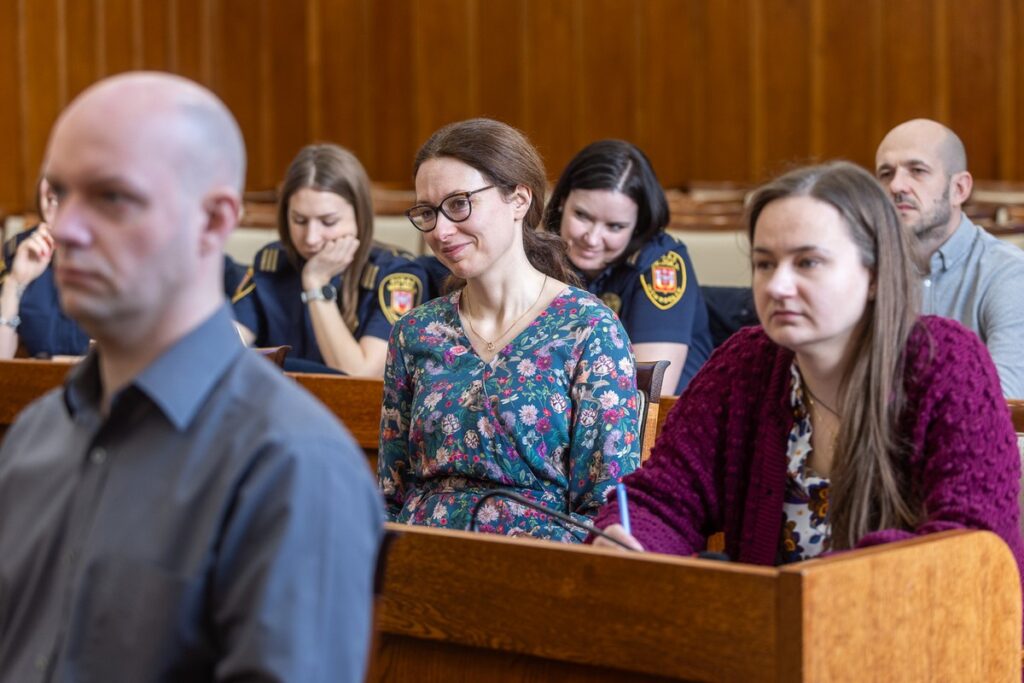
(369, 278)
(393, 250)
(269, 259)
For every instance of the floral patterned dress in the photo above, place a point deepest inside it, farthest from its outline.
(805, 523)
(552, 417)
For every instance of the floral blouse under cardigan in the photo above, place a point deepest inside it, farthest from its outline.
(552, 417)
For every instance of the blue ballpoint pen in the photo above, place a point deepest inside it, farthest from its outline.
(620, 490)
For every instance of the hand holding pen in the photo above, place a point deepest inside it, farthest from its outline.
(620, 531)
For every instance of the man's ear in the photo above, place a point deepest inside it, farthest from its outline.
(521, 199)
(222, 208)
(960, 186)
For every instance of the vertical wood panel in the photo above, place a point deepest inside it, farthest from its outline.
(344, 62)
(908, 88)
(847, 90)
(724, 142)
(10, 113)
(784, 63)
(119, 31)
(81, 36)
(674, 48)
(974, 54)
(709, 89)
(553, 79)
(442, 54)
(286, 92)
(237, 77)
(609, 48)
(40, 85)
(501, 25)
(393, 91)
(154, 43)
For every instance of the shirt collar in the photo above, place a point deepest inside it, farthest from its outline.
(177, 382)
(955, 248)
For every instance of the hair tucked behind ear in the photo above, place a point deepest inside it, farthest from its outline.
(506, 159)
(870, 489)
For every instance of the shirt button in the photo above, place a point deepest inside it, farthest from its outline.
(928, 283)
(98, 456)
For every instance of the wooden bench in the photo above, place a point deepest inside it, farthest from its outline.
(459, 607)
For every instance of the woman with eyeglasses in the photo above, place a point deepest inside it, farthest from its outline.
(325, 288)
(846, 419)
(610, 210)
(517, 380)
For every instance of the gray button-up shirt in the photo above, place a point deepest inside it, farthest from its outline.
(220, 523)
(978, 280)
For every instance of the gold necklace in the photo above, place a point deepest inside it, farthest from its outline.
(812, 399)
(490, 344)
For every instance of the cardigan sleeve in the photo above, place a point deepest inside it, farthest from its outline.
(965, 450)
(674, 499)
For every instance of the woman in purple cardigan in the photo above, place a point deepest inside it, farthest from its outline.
(845, 420)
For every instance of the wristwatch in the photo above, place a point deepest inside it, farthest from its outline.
(326, 293)
(11, 323)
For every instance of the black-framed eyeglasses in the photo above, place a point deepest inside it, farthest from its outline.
(456, 207)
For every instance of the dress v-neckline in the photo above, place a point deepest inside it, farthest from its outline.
(499, 350)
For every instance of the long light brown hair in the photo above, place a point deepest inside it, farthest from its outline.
(870, 488)
(506, 159)
(330, 168)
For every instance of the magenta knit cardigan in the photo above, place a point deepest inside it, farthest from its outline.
(720, 462)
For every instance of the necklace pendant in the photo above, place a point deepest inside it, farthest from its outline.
(490, 346)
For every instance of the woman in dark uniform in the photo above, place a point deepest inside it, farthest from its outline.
(325, 289)
(611, 212)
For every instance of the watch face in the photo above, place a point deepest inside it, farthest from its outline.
(330, 292)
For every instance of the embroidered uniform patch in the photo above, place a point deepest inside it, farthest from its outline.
(667, 281)
(399, 293)
(612, 301)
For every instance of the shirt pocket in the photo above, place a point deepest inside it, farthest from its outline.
(134, 621)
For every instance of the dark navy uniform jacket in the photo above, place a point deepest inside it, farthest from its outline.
(657, 298)
(45, 329)
(269, 301)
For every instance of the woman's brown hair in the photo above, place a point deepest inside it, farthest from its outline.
(506, 159)
(330, 168)
(870, 489)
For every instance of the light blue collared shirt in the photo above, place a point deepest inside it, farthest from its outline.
(978, 280)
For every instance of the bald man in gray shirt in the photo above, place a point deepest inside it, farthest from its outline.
(969, 275)
(180, 510)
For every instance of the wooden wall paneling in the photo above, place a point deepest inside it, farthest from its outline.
(443, 64)
(155, 37)
(11, 82)
(122, 44)
(1006, 94)
(393, 91)
(847, 90)
(341, 80)
(610, 101)
(974, 105)
(81, 36)
(192, 39)
(553, 79)
(40, 91)
(286, 93)
(674, 46)
(724, 143)
(237, 77)
(782, 75)
(501, 76)
(907, 88)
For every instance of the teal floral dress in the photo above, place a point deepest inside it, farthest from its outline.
(552, 417)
